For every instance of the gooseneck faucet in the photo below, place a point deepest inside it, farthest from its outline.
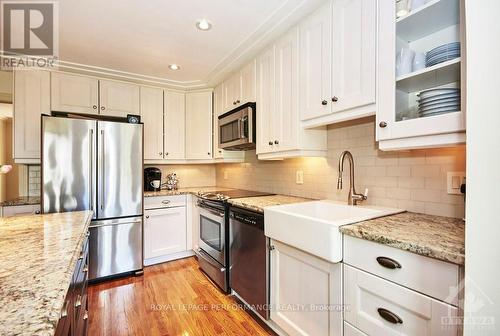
(353, 197)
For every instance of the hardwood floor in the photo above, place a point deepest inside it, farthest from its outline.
(173, 298)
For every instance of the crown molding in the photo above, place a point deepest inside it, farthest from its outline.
(277, 23)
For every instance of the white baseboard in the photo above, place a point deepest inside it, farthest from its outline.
(168, 257)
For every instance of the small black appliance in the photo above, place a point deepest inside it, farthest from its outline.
(152, 179)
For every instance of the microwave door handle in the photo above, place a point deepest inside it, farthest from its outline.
(241, 127)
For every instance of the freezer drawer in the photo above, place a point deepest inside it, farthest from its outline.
(115, 247)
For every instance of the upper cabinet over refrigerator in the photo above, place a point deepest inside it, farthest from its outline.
(421, 74)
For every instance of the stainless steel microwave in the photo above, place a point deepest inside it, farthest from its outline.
(237, 128)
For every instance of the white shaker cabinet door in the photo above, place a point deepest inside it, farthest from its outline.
(118, 99)
(74, 93)
(164, 232)
(199, 125)
(354, 53)
(232, 92)
(315, 64)
(31, 100)
(152, 117)
(265, 101)
(218, 107)
(248, 83)
(175, 125)
(306, 292)
(285, 114)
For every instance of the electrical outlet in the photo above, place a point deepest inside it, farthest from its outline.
(454, 181)
(226, 175)
(299, 177)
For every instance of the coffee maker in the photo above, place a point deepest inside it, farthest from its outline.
(152, 179)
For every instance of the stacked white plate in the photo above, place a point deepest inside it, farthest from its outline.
(438, 101)
(442, 53)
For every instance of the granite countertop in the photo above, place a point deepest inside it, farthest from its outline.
(260, 202)
(24, 200)
(38, 255)
(183, 191)
(437, 237)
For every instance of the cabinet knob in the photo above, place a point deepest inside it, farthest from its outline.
(234, 103)
(383, 124)
(160, 153)
(237, 102)
(37, 212)
(147, 217)
(335, 99)
(270, 143)
(166, 153)
(103, 108)
(324, 102)
(276, 142)
(94, 107)
(220, 150)
(208, 153)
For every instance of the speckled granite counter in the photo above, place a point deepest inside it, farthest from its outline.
(38, 255)
(183, 191)
(437, 237)
(26, 200)
(260, 202)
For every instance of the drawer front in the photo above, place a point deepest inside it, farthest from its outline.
(349, 330)
(164, 201)
(426, 275)
(379, 307)
(20, 210)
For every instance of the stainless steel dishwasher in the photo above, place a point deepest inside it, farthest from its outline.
(249, 259)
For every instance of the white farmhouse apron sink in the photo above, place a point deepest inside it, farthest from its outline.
(314, 226)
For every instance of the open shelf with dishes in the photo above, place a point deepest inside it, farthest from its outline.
(428, 70)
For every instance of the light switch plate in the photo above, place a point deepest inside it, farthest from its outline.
(454, 181)
(299, 177)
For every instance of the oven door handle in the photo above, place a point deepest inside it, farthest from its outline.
(215, 212)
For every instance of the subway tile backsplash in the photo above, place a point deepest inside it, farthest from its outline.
(414, 180)
(34, 180)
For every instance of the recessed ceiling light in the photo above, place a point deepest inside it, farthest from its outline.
(174, 67)
(203, 24)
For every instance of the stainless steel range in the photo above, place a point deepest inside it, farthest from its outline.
(213, 252)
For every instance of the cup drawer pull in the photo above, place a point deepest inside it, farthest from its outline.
(389, 316)
(388, 262)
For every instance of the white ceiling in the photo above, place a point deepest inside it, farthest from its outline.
(144, 36)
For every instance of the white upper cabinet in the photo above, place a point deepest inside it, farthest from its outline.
(403, 120)
(31, 100)
(199, 125)
(218, 108)
(354, 54)
(232, 92)
(240, 88)
(265, 101)
(315, 63)
(248, 83)
(279, 133)
(152, 117)
(175, 125)
(285, 118)
(338, 62)
(74, 93)
(118, 98)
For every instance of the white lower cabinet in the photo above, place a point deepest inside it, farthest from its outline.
(305, 292)
(380, 307)
(165, 230)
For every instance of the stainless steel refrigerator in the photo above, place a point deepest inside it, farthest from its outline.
(97, 165)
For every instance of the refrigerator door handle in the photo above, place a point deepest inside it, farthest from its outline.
(101, 172)
(91, 170)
